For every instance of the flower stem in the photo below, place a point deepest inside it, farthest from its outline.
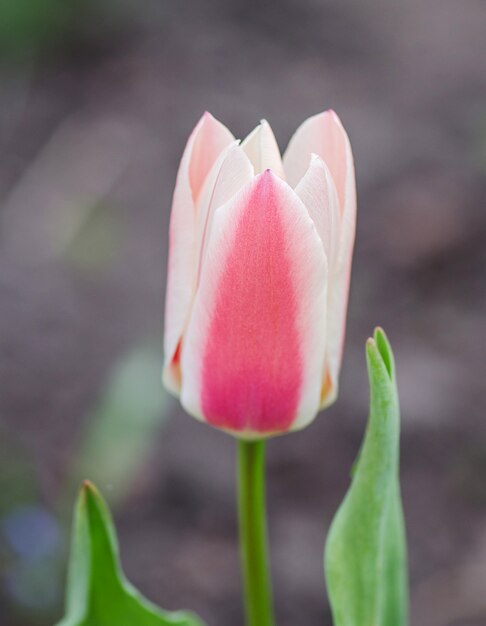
(253, 533)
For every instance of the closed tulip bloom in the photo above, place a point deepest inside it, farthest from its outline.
(259, 268)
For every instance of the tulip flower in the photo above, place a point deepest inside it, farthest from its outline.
(259, 268)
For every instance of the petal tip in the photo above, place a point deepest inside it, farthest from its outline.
(329, 115)
(335, 117)
(317, 160)
(208, 118)
(267, 178)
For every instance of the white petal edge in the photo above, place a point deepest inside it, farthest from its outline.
(325, 135)
(232, 170)
(317, 191)
(182, 238)
(262, 149)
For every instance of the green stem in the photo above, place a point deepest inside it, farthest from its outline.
(253, 533)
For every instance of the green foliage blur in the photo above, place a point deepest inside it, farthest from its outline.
(33, 28)
(118, 437)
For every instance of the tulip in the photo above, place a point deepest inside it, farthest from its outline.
(259, 267)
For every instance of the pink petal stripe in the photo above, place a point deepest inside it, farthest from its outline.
(253, 355)
(252, 364)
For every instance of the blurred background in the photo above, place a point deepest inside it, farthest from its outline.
(97, 99)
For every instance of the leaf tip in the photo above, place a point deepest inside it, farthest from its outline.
(371, 349)
(384, 350)
(89, 495)
(88, 489)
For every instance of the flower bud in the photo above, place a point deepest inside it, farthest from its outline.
(259, 267)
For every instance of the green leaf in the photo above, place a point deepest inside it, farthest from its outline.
(365, 557)
(98, 593)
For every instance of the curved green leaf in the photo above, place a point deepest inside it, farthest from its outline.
(365, 557)
(98, 593)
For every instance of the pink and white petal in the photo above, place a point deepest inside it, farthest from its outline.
(206, 141)
(253, 353)
(322, 134)
(232, 170)
(210, 139)
(339, 281)
(341, 274)
(262, 149)
(317, 191)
